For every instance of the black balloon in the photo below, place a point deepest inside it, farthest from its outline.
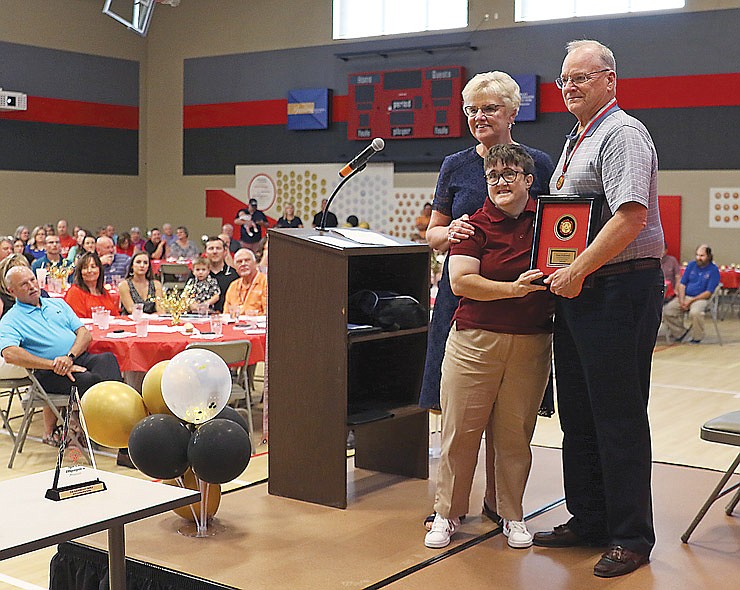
(219, 451)
(229, 413)
(158, 446)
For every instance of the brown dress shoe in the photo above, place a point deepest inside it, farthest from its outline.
(619, 561)
(560, 536)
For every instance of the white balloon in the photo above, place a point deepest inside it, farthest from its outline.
(196, 385)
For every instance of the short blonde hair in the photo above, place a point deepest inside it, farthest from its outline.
(495, 83)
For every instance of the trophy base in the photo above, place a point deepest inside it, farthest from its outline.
(79, 489)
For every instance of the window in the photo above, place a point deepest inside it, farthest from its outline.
(531, 10)
(369, 18)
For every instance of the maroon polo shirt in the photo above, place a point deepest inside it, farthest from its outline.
(503, 245)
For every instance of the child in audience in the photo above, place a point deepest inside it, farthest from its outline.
(204, 286)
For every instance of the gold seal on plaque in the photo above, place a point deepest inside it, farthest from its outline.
(565, 227)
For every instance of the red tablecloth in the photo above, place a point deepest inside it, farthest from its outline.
(730, 279)
(141, 354)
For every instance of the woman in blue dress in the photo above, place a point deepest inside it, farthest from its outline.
(491, 102)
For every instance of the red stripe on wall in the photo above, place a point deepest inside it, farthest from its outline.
(249, 114)
(76, 112)
(668, 92)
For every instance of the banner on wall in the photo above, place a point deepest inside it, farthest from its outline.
(308, 108)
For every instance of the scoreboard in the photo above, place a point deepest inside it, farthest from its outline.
(406, 104)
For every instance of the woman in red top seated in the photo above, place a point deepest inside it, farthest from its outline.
(125, 245)
(87, 289)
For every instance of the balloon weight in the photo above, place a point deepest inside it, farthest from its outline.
(158, 446)
(111, 410)
(196, 385)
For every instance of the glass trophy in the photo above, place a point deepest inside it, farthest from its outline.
(76, 473)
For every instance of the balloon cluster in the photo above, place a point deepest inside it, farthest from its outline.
(190, 434)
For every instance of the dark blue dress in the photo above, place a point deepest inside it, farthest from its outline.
(461, 189)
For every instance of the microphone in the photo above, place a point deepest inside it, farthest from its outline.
(361, 159)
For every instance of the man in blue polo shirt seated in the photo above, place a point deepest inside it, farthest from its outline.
(46, 335)
(698, 282)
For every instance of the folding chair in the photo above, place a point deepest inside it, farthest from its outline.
(724, 429)
(12, 380)
(236, 355)
(713, 310)
(174, 275)
(35, 399)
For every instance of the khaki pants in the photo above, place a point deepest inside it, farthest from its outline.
(497, 381)
(674, 318)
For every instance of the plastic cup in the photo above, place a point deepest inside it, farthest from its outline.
(104, 319)
(233, 312)
(138, 311)
(41, 274)
(216, 325)
(203, 310)
(96, 315)
(142, 327)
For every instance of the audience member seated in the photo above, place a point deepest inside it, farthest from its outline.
(331, 219)
(155, 246)
(88, 290)
(253, 223)
(110, 231)
(422, 222)
(85, 243)
(167, 234)
(136, 239)
(232, 245)
(19, 247)
(52, 256)
(37, 242)
(249, 293)
(229, 248)
(49, 229)
(124, 244)
(65, 239)
(182, 247)
(23, 233)
(114, 264)
(140, 286)
(204, 287)
(220, 270)
(6, 299)
(697, 284)
(45, 335)
(289, 218)
(671, 273)
(6, 247)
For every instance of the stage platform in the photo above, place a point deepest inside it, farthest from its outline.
(271, 542)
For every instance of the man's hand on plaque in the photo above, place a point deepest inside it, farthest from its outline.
(459, 230)
(563, 283)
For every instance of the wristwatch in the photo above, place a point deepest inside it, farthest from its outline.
(71, 355)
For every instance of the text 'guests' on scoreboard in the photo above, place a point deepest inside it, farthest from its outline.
(406, 104)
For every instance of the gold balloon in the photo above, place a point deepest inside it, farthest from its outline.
(151, 390)
(111, 410)
(214, 497)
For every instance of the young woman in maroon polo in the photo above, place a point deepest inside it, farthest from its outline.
(497, 358)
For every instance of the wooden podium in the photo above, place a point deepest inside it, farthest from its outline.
(321, 374)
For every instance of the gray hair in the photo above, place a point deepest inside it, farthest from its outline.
(498, 83)
(252, 254)
(604, 54)
(14, 270)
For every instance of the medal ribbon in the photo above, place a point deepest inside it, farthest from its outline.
(569, 156)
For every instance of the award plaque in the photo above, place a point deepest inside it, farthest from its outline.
(564, 227)
(76, 473)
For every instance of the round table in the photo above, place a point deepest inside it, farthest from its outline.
(141, 354)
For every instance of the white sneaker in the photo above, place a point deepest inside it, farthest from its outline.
(517, 533)
(442, 530)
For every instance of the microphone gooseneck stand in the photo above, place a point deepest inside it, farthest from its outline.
(322, 226)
